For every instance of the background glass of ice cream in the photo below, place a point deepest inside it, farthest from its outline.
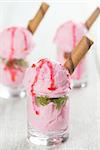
(16, 43)
(66, 38)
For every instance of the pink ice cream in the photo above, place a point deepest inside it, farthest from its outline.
(52, 80)
(15, 43)
(66, 38)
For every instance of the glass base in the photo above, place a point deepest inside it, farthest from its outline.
(50, 139)
(79, 84)
(7, 92)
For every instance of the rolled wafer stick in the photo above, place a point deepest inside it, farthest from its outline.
(33, 24)
(92, 18)
(77, 54)
(66, 55)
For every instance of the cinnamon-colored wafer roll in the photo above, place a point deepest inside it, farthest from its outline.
(33, 24)
(66, 55)
(92, 18)
(77, 54)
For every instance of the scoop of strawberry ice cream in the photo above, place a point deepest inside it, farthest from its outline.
(15, 42)
(68, 35)
(47, 78)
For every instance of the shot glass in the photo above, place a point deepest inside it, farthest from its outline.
(48, 120)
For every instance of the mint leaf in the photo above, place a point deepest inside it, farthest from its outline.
(17, 63)
(59, 102)
(42, 101)
(21, 62)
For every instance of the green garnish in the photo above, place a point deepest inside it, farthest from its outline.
(59, 102)
(43, 101)
(17, 63)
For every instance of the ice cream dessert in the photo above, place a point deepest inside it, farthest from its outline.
(15, 45)
(67, 37)
(48, 84)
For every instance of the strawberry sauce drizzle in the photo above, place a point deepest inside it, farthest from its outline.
(25, 41)
(52, 84)
(13, 73)
(12, 70)
(12, 41)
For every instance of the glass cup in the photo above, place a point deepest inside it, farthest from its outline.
(48, 120)
(11, 78)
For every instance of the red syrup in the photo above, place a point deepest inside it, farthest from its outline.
(52, 83)
(12, 42)
(33, 66)
(25, 41)
(13, 71)
(37, 112)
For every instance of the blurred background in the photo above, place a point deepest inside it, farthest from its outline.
(18, 13)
